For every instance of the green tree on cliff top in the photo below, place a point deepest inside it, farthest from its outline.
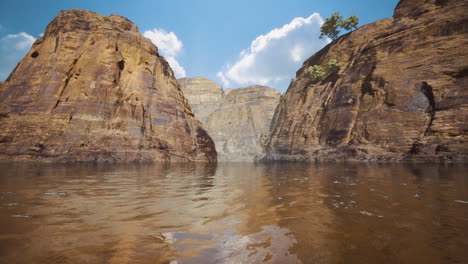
(331, 25)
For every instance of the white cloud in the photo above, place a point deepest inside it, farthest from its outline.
(179, 71)
(223, 79)
(169, 46)
(272, 59)
(23, 41)
(13, 47)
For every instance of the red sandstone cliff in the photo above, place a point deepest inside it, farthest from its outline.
(401, 92)
(94, 89)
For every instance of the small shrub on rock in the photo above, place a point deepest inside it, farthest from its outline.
(316, 72)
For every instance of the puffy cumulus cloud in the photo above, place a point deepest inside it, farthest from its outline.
(169, 46)
(223, 79)
(273, 59)
(179, 71)
(167, 42)
(13, 47)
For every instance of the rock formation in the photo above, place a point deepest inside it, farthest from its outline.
(242, 121)
(94, 89)
(401, 92)
(203, 95)
(237, 119)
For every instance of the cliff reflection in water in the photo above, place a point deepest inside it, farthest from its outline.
(233, 213)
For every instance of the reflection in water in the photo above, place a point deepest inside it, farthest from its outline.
(233, 213)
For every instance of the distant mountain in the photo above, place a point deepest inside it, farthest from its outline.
(238, 120)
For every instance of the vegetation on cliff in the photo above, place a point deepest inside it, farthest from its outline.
(399, 92)
(335, 21)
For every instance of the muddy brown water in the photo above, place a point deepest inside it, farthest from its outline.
(233, 213)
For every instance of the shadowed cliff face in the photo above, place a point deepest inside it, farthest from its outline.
(93, 88)
(401, 92)
(238, 120)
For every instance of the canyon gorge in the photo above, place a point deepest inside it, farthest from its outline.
(92, 88)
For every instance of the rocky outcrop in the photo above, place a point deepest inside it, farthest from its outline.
(204, 96)
(400, 94)
(94, 89)
(238, 120)
(242, 121)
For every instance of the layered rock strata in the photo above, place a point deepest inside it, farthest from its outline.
(92, 88)
(238, 120)
(242, 121)
(400, 93)
(204, 96)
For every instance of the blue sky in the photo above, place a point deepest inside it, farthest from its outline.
(235, 43)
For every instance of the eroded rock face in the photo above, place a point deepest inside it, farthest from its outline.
(401, 92)
(238, 120)
(204, 96)
(94, 89)
(242, 121)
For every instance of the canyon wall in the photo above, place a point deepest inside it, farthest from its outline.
(400, 92)
(242, 121)
(238, 120)
(204, 95)
(92, 88)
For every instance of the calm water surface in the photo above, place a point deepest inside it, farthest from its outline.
(233, 213)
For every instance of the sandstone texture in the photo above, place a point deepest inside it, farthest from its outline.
(401, 92)
(242, 121)
(238, 120)
(94, 89)
(203, 95)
